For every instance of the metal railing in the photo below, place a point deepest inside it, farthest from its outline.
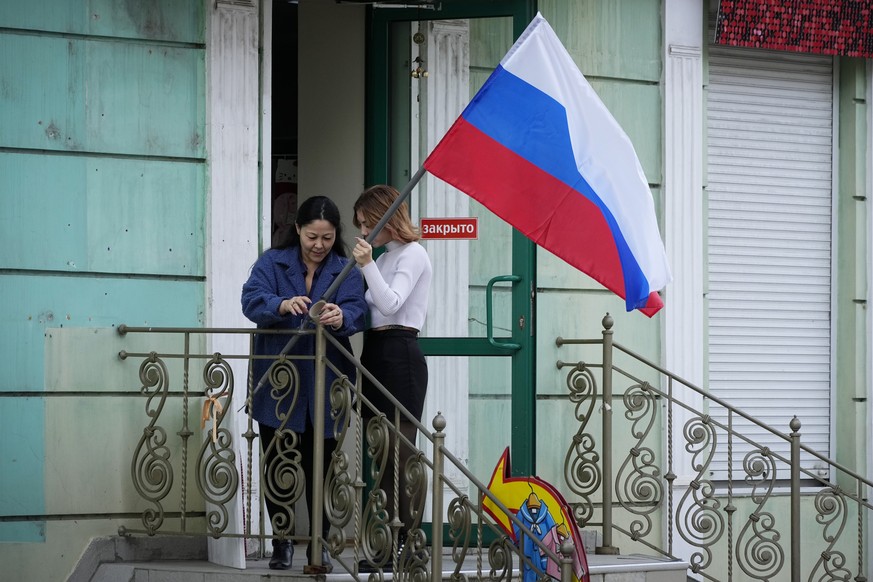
(674, 473)
(724, 509)
(160, 468)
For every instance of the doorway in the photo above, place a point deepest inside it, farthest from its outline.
(284, 151)
(424, 65)
(479, 332)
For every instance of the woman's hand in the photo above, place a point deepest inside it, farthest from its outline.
(296, 305)
(362, 252)
(332, 316)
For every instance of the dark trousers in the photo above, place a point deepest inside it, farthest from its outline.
(403, 503)
(395, 359)
(280, 515)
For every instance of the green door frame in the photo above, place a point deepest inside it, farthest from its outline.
(523, 366)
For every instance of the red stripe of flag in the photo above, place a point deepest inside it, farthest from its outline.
(523, 195)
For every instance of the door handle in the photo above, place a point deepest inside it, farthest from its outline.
(489, 323)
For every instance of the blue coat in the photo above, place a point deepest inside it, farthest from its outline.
(539, 521)
(280, 274)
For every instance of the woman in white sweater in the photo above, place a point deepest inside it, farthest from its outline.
(398, 285)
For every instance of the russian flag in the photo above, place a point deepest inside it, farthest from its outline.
(539, 149)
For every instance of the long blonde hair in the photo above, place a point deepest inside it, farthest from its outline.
(375, 201)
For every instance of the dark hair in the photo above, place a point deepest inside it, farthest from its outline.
(316, 208)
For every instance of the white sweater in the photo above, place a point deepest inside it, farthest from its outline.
(398, 285)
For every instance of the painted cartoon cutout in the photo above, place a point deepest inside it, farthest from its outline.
(534, 514)
(553, 541)
(542, 509)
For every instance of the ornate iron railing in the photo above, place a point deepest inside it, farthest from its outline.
(160, 467)
(665, 475)
(727, 516)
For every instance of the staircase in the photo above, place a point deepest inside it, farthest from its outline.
(639, 471)
(168, 559)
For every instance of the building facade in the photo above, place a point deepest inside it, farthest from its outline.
(148, 153)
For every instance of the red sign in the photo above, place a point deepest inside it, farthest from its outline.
(450, 228)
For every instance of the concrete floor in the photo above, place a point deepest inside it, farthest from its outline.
(630, 568)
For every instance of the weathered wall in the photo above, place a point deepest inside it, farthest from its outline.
(102, 202)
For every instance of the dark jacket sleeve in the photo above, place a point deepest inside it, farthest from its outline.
(260, 294)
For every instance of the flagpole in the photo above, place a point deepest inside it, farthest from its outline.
(404, 194)
(315, 309)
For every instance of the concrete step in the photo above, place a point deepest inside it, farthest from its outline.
(637, 568)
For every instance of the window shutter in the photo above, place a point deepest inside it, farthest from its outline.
(770, 161)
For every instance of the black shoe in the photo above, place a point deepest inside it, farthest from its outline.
(326, 565)
(365, 567)
(282, 553)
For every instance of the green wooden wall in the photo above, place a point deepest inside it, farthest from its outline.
(102, 202)
(618, 47)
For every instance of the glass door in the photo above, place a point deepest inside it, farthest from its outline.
(424, 65)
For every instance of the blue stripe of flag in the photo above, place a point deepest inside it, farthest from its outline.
(532, 124)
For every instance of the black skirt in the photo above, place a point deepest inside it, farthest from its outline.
(395, 359)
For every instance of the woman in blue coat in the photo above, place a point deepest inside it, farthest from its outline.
(283, 283)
